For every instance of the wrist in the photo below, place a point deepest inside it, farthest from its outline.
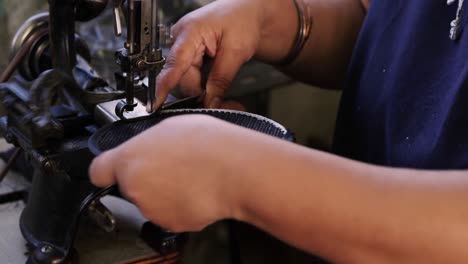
(279, 27)
(238, 172)
(302, 35)
(245, 170)
(232, 192)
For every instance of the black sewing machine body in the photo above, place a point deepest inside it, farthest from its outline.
(51, 108)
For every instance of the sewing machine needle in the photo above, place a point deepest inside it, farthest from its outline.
(154, 46)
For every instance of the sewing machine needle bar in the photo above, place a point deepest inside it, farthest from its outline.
(154, 46)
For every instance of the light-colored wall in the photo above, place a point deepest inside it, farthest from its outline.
(308, 111)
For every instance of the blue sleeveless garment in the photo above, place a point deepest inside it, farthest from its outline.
(405, 103)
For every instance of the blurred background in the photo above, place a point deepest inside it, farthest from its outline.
(309, 112)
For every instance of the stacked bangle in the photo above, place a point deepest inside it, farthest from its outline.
(303, 33)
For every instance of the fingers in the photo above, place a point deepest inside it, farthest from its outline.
(190, 83)
(184, 62)
(225, 67)
(101, 171)
(178, 62)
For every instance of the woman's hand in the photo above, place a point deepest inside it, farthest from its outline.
(177, 173)
(231, 32)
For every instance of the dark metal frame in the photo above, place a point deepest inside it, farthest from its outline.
(50, 117)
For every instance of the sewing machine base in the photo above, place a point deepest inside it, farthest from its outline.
(58, 188)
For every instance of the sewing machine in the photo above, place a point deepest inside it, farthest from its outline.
(57, 101)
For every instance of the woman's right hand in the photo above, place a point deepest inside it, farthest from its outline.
(231, 32)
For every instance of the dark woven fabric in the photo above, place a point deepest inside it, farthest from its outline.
(117, 133)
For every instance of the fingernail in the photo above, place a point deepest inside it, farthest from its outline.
(215, 102)
(149, 108)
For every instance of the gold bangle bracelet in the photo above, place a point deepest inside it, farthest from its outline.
(303, 33)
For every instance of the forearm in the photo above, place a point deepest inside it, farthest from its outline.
(350, 212)
(325, 56)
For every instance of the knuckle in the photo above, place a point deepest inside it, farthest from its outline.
(186, 24)
(179, 56)
(170, 61)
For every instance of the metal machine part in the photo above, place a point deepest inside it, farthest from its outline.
(105, 112)
(50, 253)
(50, 114)
(142, 53)
(89, 9)
(101, 216)
(32, 64)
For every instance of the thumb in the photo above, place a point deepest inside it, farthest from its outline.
(225, 67)
(101, 171)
